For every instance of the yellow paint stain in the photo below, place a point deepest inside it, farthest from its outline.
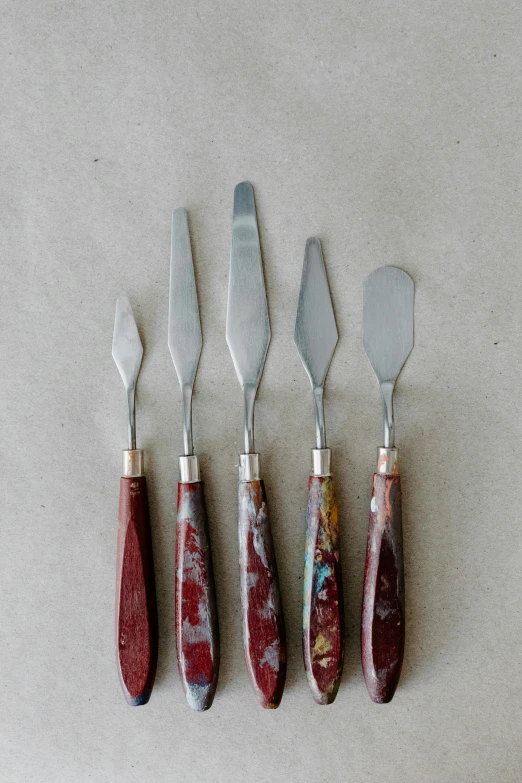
(322, 645)
(329, 535)
(324, 662)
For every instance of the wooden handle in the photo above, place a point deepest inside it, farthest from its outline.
(383, 620)
(196, 613)
(323, 619)
(136, 612)
(263, 624)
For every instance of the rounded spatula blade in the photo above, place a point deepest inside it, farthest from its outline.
(387, 321)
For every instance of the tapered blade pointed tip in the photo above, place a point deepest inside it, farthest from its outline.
(127, 350)
(315, 332)
(184, 327)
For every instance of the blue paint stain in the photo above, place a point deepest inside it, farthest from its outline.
(322, 572)
(200, 681)
(141, 698)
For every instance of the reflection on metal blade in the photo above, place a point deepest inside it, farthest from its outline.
(248, 327)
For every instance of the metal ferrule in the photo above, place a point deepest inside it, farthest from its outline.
(189, 469)
(132, 463)
(321, 462)
(249, 467)
(388, 461)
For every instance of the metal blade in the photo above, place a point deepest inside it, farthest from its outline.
(184, 325)
(388, 321)
(248, 327)
(315, 330)
(184, 337)
(388, 333)
(127, 352)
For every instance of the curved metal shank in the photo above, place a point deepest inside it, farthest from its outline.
(320, 430)
(389, 423)
(249, 396)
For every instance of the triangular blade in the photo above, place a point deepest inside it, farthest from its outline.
(248, 327)
(315, 330)
(388, 321)
(127, 350)
(184, 325)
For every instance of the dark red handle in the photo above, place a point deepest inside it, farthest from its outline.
(136, 612)
(383, 619)
(196, 613)
(323, 619)
(263, 624)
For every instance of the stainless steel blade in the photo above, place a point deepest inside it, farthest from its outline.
(184, 331)
(248, 327)
(127, 352)
(315, 331)
(388, 331)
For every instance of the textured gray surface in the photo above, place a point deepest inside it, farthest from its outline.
(392, 131)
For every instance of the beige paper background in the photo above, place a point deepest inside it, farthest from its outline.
(392, 131)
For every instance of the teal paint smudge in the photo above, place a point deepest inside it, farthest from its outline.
(323, 572)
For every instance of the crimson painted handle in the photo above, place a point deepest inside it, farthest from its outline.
(264, 635)
(197, 634)
(136, 612)
(383, 619)
(323, 619)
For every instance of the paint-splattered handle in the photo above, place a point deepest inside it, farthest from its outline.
(263, 624)
(197, 635)
(323, 620)
(383, 619)
(136, 613)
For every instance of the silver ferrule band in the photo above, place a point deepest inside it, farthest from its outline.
(321, 462)
(388, 461)
(249, 467)
(133, 463)
(189, 469)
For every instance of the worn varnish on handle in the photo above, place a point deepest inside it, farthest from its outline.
(136, 613)
(263, 624)
(323, 619)
(197, 634)
(383, 617)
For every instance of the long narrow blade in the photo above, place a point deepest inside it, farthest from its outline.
(315, 330)
(248, 327)
(127, 350)
(184, 325)
(388, 321)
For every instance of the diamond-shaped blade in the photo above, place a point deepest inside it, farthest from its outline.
(388, 321)
(315, 330)
(184, 336)
(248, 327)
(127, 350)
